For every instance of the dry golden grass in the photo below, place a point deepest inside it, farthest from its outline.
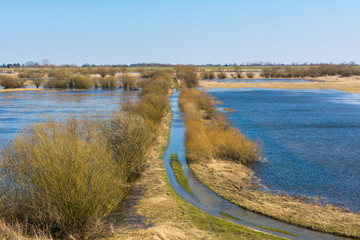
(20, 89)
(347, 84)
(209, 134)
(235, 182)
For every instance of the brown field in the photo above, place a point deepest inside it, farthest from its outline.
(347, 84)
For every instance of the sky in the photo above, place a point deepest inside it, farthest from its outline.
(179, 31)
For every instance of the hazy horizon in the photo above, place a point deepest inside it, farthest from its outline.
(180, 32)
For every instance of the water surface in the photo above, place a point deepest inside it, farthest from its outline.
(21, 108)
(206, 200)
(260, 80)
(310, 138)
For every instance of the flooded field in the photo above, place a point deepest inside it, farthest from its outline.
(18, 109)
(310, 140)
(257, 80)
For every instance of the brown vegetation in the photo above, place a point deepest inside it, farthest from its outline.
(249, 74)
(128, 81)
(311, 71)
(108, 82)
(207, 75)
(208, 133)
(348, 84)
(9, 81)
(187, 74)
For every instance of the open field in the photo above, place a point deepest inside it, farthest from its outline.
(347, 84)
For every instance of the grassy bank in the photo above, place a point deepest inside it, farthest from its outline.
(222, 171)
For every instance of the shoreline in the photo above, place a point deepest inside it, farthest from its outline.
(234, 182)
(346, 84)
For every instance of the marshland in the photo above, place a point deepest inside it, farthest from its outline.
(179, 120)
(263, 154)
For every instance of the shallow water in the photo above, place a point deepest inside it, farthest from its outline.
(208, 201)
(310, 138)
(19, 109)
(257, 80)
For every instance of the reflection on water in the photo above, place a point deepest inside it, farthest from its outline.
(18, 109)
(257, 80)
(311, 139)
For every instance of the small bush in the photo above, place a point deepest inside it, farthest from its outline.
(95, 82)
(128, 81)
(37, 83)
(187, 74)
(249, 74)
(81, 82)
(129, 136)
(207, 75)
(58, 83)
(108, 82)
(222, 75)
(8, 81)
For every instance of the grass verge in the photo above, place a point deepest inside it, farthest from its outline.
(277, 230)
(227, 215)
(179, 174)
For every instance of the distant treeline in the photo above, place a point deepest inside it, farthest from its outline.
(311, 71)
(32, 64)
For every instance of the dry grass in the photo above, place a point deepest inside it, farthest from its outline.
(235, 182)
(20, 89)
(347, 84)
(209, 134)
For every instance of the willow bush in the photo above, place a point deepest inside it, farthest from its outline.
(80, 82)
(62, 176)
(128, 82)
(9, 81)
(108, 82)
(187, 74)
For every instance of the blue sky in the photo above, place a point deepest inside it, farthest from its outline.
(180, 31)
